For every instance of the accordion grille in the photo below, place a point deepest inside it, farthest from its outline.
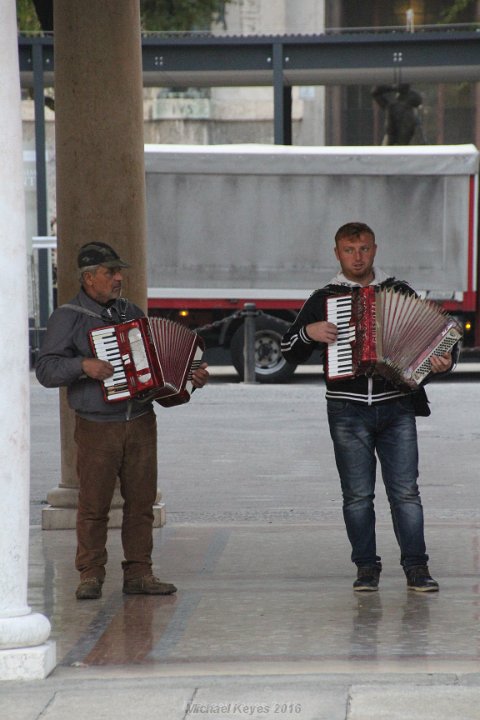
(406, 325)
(174, 344)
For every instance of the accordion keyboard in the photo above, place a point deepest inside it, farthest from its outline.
(339, 353)
(107, 348)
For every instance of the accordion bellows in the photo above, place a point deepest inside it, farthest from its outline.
(388, 332)
(153, 359)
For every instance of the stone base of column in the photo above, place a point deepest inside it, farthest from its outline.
(61, 513)
(29, 663)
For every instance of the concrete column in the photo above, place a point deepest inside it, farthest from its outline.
(100, 172)
(24, 650)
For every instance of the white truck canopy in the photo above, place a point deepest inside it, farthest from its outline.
(263, 217)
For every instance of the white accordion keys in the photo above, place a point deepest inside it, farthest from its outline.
(339, 353)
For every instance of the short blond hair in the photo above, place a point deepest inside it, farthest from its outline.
(353, 229)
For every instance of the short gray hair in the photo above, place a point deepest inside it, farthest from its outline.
(90, 268)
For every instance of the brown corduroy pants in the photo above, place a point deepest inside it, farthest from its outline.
(107, 451)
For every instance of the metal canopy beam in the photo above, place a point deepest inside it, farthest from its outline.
(357, 58)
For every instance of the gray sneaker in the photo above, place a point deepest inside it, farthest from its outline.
(89, 589)
(148, 585)
(420, 580)
(368, 577)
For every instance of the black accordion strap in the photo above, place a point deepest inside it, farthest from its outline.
(83, 310)
(119, 309)
(116, 313)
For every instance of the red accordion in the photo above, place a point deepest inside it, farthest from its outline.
(153, 359)
(388, 332)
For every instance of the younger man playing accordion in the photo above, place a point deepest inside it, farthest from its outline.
(368, 417)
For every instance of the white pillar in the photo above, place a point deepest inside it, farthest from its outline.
(24, 651)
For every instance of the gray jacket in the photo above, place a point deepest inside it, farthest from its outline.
(60, 360)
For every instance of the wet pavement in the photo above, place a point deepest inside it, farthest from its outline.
(265, 622)
(264, 597)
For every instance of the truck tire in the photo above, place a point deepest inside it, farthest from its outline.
(270, 365)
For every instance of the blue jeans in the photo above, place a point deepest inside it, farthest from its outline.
(359, 433)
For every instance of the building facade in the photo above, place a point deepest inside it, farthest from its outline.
(448, 114)
(342, 115)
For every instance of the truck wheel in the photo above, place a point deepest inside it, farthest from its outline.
(270, 365)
